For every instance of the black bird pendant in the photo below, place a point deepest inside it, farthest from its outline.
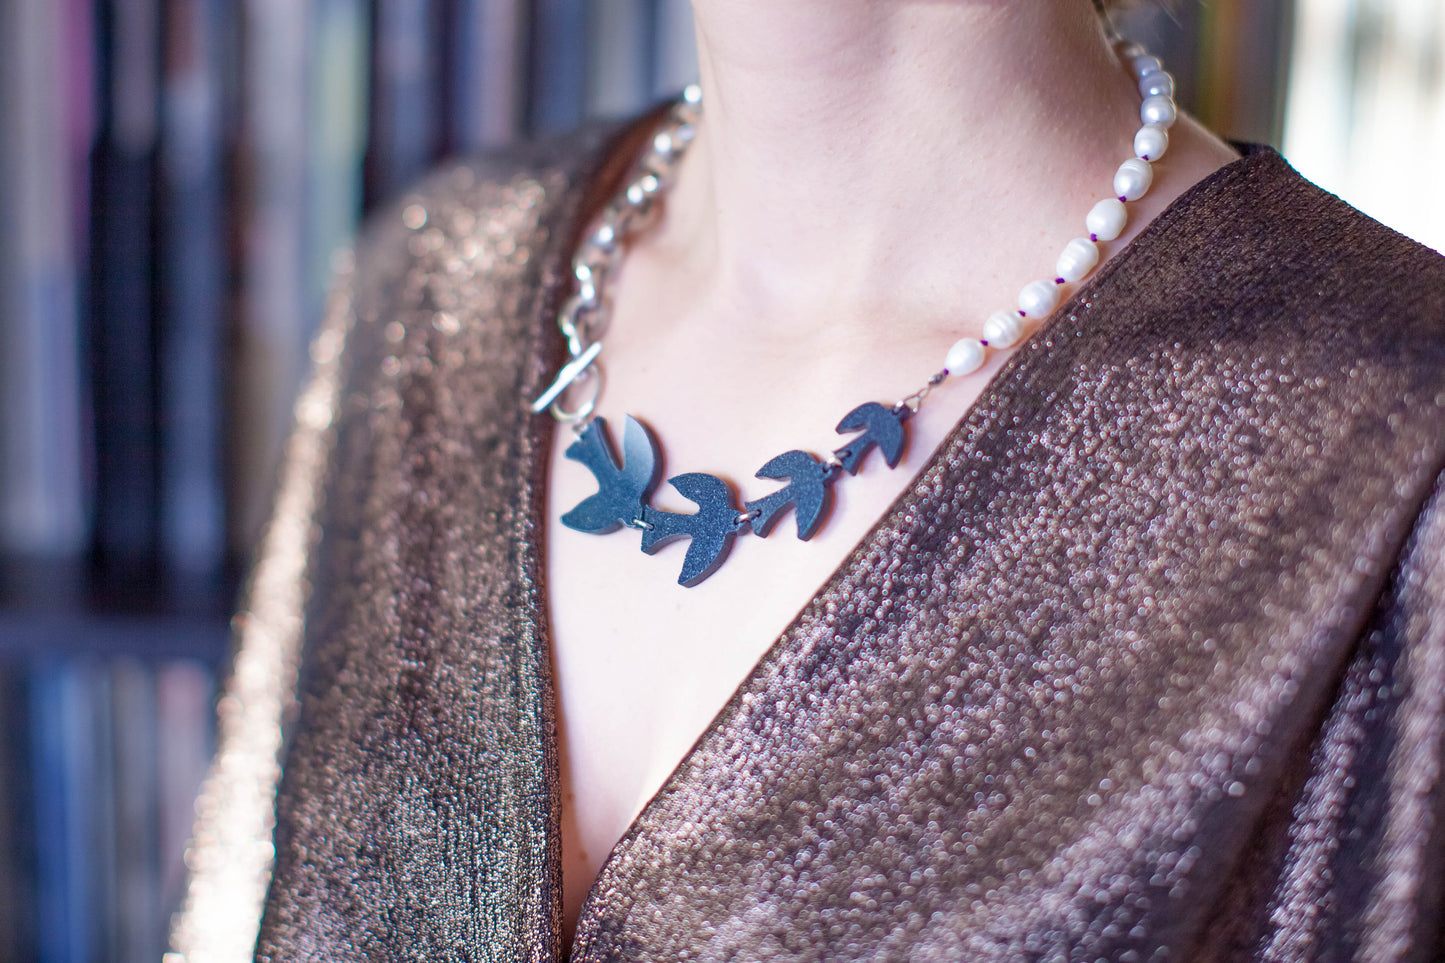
(624, 488)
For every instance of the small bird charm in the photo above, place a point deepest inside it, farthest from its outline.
(881, 426)
(808, 492)
(622, 489)
(711, 528)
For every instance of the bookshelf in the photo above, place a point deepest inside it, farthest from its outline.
(175, 179)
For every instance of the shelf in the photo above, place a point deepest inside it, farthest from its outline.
(77, 607)
(29, 635)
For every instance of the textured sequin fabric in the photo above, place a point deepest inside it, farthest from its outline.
(1147, 664)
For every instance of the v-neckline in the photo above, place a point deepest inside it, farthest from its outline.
(977, 417)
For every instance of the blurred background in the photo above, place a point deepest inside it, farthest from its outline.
(175, 179)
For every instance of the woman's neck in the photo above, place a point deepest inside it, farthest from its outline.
(859, 155)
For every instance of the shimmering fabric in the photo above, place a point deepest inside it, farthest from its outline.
(230, 853)
(1148, 663)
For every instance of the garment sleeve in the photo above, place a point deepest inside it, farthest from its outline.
(1357, 849)
(231, 851)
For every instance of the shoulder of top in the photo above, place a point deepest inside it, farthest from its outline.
(1315, 245)
(1257, 254)
(550, 177)
(487, 239)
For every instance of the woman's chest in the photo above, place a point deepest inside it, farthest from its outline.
(643, 665)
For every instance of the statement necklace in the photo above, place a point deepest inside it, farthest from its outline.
(625, 487)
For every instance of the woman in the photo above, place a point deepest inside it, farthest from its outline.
(1135, 654)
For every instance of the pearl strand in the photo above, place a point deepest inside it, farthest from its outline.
(1105, 221)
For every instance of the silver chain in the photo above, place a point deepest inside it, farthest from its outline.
(572, 396)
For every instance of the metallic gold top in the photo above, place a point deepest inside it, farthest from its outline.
(1148, 663)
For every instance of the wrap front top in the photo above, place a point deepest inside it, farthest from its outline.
(1147, 663)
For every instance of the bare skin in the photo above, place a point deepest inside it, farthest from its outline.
(871, 180)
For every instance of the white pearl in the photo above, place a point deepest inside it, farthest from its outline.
(1132, 179)
(1107, 219)
(1003, 329)
(1130, 49)
(1151, 142)
(965, 357)
(1077, 259)
(1159, 111)
(1145, 65)
(1158, 84)
(1038, 299)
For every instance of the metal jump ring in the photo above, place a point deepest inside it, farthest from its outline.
(915, 401)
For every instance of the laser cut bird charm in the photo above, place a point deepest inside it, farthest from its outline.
(622, 489)
(711, 528)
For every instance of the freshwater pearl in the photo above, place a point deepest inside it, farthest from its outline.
(1146, 65)
(1038, 299)
(1157, 84)
(1003, 329)
(1107, 219)
(1159, 111)
(965, 357)
(1076, 260)
(1151, 142)
(1133, 178)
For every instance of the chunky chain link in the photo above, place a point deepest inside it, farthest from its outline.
(572, 396)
